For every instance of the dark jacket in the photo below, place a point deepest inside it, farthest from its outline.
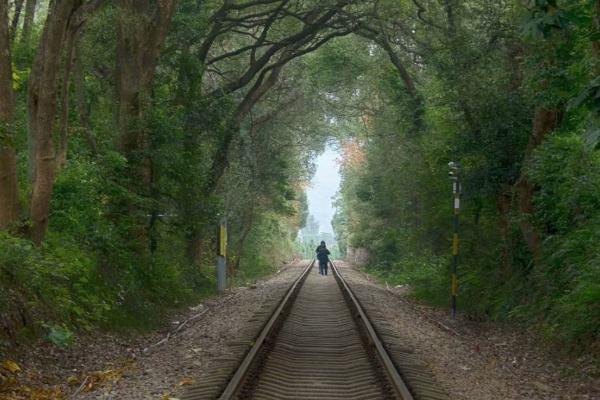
(322, 254)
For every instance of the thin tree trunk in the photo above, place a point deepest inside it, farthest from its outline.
(221, 158)
(544, 122)
(596, 27)
(64, 101)
(142, 28)
(16, 18)
(83, 109)
(9, 193)
(248, 223)
(194, 248)
(28, 20)
(504, 202)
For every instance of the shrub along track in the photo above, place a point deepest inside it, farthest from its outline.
(317, 344)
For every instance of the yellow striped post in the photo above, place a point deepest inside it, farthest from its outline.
(456, 190)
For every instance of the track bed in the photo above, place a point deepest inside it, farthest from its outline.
(317, 343)
(319, 353)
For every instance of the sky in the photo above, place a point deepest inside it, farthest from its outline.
(323, 186)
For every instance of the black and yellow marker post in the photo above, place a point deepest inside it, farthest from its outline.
(456, 189)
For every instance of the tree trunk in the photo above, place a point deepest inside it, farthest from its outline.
(221, 158)
(248, 222)
(141, 31)
(194, 248)
(504, 202)
(16, 17)
(63, 140)
(28, 20)
(9, 193)
(83, 109)
(546, 119)
(596, 27)
(42, 94)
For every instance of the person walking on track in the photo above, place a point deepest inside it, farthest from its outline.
(323, 257)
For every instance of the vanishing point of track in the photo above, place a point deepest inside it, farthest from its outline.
(317, 344)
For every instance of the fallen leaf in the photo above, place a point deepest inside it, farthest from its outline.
(186, 381)
(11, 366)
(73, 380)
(100, 378)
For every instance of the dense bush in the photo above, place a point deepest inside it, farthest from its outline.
(568, 211)
(51, 285)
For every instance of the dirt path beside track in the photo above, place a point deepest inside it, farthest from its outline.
(474, 360)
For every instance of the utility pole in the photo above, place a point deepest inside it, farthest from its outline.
(222, 256)
(454, 175)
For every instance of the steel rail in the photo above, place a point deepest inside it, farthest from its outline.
(384, 358)
(238, 378)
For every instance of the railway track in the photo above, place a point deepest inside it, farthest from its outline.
(318, 343)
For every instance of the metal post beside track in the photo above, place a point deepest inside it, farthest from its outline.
(456, 190)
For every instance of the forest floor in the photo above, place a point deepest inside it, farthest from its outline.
(470, 360)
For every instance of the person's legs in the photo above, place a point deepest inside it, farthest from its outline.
(320, 268)
(325, 268)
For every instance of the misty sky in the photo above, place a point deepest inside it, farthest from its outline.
(323, 187)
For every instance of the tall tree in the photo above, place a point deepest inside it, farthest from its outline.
(9, 193)
(64, 18)
(142, 28)
(30, 6)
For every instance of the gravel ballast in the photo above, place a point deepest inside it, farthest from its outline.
(474, 360)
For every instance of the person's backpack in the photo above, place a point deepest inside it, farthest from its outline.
(322, 255)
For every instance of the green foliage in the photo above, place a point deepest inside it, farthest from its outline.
(269, 244)
(478, 106)
(568, 209)
(568, 176)
(57, 283)
(424, 273)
